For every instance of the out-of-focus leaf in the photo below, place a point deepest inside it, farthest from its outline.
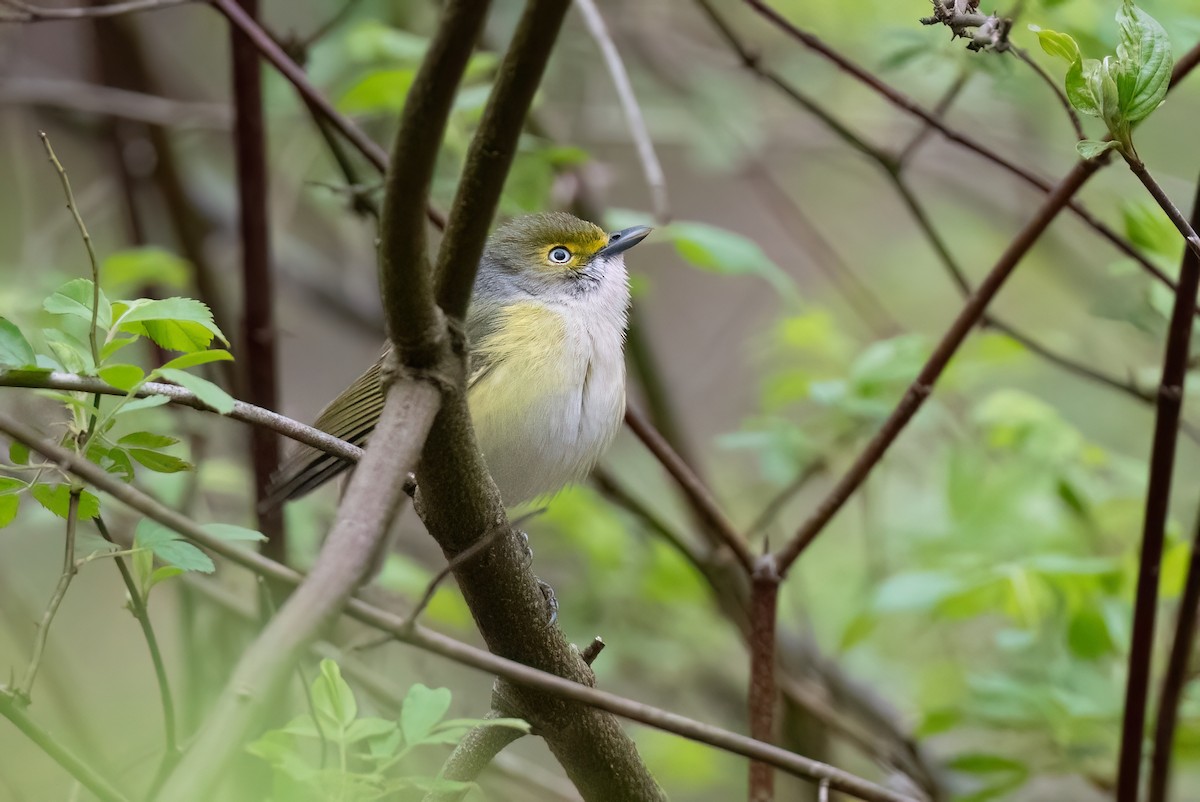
(199, 358)
(15, 350)
(332, 698)
(147, 440)
(1091, 148)
(423, 708)
(159, 462)
(233, 533)
(9, 504)
(131, 269)
(1087, 635)
(378, 91)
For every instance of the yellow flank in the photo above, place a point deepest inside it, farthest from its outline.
(524, 352)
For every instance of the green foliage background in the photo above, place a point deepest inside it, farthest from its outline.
(981, 584)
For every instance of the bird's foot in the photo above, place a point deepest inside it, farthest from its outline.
(551, 601)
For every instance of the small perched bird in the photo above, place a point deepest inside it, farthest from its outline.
(546, 377)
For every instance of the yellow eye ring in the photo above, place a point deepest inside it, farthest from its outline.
(559, 255)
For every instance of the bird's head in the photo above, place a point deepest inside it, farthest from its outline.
(557, 249)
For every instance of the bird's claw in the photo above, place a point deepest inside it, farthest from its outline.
(551, 601)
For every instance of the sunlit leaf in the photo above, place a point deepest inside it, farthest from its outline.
(57, 499)
(206, 391)
(177, 324)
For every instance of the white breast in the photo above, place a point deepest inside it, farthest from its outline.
(544, 419)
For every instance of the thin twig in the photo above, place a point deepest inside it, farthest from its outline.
(137, 606)
(12, 707)
(644, 144)
(1175, 677)
(28, 12)
(1158, 495)
(692, 487)
(113, 102)
(87, 244)
(246, 413)
(444, 646)
(1058, 93)
(69, 569)
(943, 105)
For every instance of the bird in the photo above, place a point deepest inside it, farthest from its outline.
(546, 333)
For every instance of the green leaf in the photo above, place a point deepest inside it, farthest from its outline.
(9, 504)
(983, 763)
(158, 461)
(130, 270)
(10, 484)
(74, 354)
(18, 453)
(423, 708)
(379, 91)
(1079, 88)
(332, 698)
(199, 358)
(160, 574)
(1148, 227)
(139, 404)
(720, 251)
(1059, 45)
(75, 299)
(167, 546)
(363, 728)
(233, 533)
(57, 499)
(1091, 148)
(147, 440)
(15, 350)
(123, 377)
(206, 391)
(915, 592)
(1088, 636)
(1145, 55)
(178, 324)
(112, 346)
(471, 723)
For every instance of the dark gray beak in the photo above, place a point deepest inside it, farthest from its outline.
(623, 240)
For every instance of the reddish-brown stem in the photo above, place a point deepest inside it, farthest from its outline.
(764, 605)
(692, 487)
(1176, 677)
(258, 324)
(922, 386)
(1158, 496)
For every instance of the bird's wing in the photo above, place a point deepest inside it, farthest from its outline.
(351, 416)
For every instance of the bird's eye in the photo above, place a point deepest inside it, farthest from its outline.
(560, 255)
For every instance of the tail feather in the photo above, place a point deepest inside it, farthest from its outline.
(352, 417)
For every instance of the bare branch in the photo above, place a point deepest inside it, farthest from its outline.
(247, 413)
(28, 12)
(1158, 493)
(113, 102)
(1175, 677)
(651, 167)
(763, 695)
(692, 487)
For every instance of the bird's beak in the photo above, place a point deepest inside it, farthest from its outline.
(623, 240)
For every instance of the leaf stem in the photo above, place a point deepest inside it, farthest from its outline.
(137, 606)
(69, 570)
(12, 707)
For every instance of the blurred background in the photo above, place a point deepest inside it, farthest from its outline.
(963, 623)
